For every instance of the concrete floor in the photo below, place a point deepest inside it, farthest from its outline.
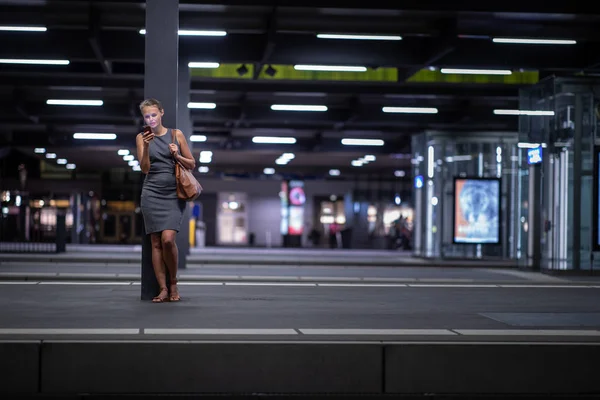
(301, 311)
(97, 295)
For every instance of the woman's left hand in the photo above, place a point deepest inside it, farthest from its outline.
(173, 149)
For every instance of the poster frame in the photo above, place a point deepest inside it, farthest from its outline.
(498, 199)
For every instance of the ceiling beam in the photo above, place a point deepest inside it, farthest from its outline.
(445, 43)
(93, 38)
(269, 42)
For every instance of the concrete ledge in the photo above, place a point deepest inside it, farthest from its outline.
(71, 367)
(19, 366)
(499, 368)
(180, 367)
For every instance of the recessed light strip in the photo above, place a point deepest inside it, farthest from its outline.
(410, 110)
(33, 61)
(23, 28)
(203, 64)
(523, 112)
(475, 71)
(74, 102)
(190, 32)
(333, 68)
(533, 41)
(92, 136)
(357, 37)
(273, 140)
(297, 107)
(203, 106)
(362, 142)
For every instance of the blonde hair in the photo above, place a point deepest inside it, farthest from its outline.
(151, 103)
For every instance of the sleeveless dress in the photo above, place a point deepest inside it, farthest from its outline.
(161, 208)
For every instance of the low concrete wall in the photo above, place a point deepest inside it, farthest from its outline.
(185, 367)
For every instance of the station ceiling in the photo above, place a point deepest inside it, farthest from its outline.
(259, 50)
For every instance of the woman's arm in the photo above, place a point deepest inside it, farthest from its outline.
(186, 158)
(143, 153)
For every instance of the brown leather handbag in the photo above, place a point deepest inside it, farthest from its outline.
(188, 187)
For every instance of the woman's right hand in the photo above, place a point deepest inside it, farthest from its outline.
(147, 136)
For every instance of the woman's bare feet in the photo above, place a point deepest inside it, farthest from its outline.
(174, 296)
(163, 296)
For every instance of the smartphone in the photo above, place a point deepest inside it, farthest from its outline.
(146, 130)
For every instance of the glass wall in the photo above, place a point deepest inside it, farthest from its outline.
(464, 195)
(560, 115)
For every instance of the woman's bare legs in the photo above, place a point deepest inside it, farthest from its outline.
(159, 268)
(170, 256)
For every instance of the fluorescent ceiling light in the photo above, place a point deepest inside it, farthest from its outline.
(338, 68)
(476, 71)
(526, 145)
(281, 161)
(203, 169)
(39, 150)
(334, 172)
(187, 32)
(61, 161)
(136, 168)
(128, 157)
(206, 153)
(23, 28)
(50, 155)
(33, 61)
(204, 106)
(99, 136)
(71, 166)
(203, 64)
(123, 152)
(273, 140)
(357, 37)
(133, 163)
(362, 142)
(533, 41)
(399, 173)
(269, 171)
(292, 107)
(288, 156)
(523, 112)
(356, 163)
(410, 110)
(369, 157)
(74, 102)
(198, 138)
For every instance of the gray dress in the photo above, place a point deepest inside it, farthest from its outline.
(161, 208)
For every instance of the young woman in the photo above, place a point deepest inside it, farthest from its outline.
(161, 208)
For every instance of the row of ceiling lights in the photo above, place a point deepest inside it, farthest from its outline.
(284, 107)
(53, 156)
(205, 157)
(308, 107)
(335, 36)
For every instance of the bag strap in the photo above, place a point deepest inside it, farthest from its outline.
(173, 141)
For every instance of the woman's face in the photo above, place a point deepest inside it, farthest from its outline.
(152, 116)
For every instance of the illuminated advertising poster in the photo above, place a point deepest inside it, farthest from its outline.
(283, 197)
(296, 199)
(477, 210)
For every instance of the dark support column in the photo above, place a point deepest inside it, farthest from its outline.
(160, 82)
(577, 182)
(184, 124)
